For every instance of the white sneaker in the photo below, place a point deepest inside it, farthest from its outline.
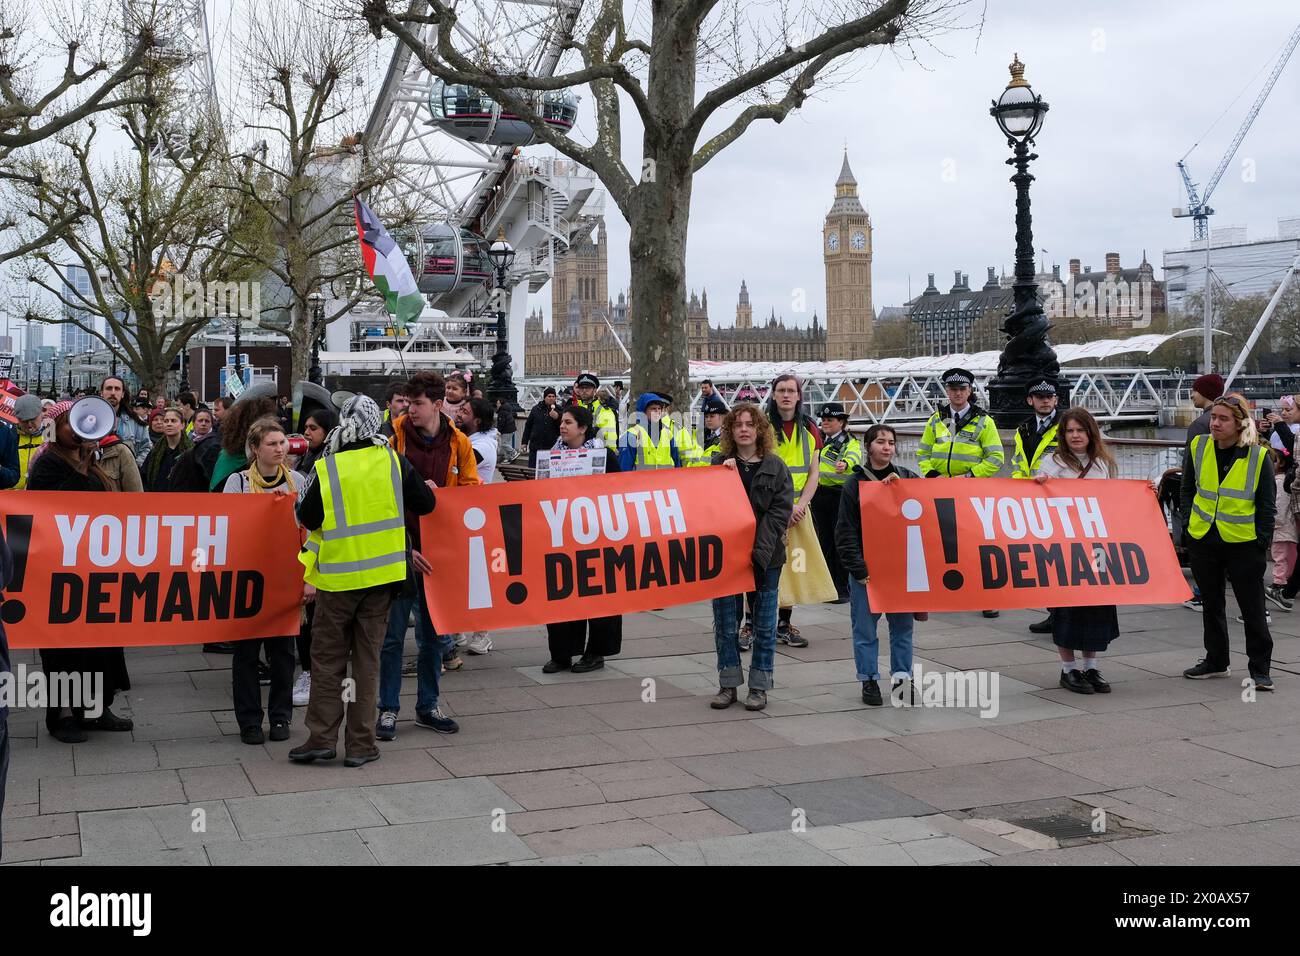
(481, 643)
(302, 689)
(1268, 617)
(462, 638)
(1193, 604)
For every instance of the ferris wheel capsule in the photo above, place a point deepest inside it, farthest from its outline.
(471, 114)
(448, 257)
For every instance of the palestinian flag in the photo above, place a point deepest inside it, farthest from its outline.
(388, 268)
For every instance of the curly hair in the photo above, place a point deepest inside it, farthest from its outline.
(765, 439)
(234, 427)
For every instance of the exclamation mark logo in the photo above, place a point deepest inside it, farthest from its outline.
(480, 584)
(512, 534)
(946, 509)
(918, 578)
(18, 531)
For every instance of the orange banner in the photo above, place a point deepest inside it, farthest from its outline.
(961, 544)
(534, 552)
(156, 569)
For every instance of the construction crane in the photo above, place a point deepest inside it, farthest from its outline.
(1198, 206)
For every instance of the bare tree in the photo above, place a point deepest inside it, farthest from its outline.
(294, 189)
(700, 73)
(143, 228)
(32, 113)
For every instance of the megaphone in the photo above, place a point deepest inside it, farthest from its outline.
(91, 418)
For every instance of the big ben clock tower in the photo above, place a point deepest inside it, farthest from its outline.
(846, 250)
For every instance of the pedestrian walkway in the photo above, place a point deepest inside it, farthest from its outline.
(630, 766)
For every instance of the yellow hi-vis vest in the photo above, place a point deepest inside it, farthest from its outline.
(796, 452)
(651, 457)
(362, 541)
(833, 452)
(1021, 464)
(974, 449)
(27, 445)
(1231, 506)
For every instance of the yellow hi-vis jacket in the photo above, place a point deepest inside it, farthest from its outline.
(797, 453)
(1022, 466)
(849, 452)
(975, 449)
(27, 445)
(362, 541)
(677, 448)
(604, 420)
(1230, 507)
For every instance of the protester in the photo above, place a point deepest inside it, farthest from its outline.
(1205, 390)
(440, 455)
(478, 422)
(799, 443)
(118, 464)
(10, 466)
(356, 558)
(879, 466)
(6, 572)
(220, 405)
(158, 466)
(133, 433)
(67, 463)
(315, 427)
(457, 387)
(29, 411)
(395, 402)
(748, 448)
(840, 455)
(1228, 500)
(233, 455)
(593, 639)
(542, 428)
(267, 474)
(1285, 536)
(284, 412)
(187, 403)
(1087, 630)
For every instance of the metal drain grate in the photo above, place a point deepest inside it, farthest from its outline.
(1060, 826)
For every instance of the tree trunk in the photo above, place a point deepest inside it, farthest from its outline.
(660, 208)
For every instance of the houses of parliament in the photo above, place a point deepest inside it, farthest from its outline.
(583, 314)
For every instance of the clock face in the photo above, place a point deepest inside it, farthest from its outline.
(833, 241)
(859, 240)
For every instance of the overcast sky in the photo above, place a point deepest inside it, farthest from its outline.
(1131, 85)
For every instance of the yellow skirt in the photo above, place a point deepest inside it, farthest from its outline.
(805, 579)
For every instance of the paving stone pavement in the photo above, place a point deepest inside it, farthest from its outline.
(629, 765)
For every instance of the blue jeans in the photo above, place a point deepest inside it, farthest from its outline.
(726, 635)
(866, 647)
(428, 663)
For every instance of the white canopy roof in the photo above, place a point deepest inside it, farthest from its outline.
(386, 357)
(980, 363)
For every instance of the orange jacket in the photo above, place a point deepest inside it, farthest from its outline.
(462, 469)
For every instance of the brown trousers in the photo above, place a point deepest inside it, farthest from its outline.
(349, 625)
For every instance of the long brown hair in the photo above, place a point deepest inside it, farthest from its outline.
(1097, 450)
(235, 424)
(765, 439)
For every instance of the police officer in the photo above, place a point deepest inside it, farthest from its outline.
(840, 455)
(1228, 496)
(714, 409)
(355, 558)
(584, 394)
(1035, 440)
(654, 441)
(960, 439)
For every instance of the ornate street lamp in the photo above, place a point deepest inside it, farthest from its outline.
(1026, 356)
(500, 384)
(314, 373)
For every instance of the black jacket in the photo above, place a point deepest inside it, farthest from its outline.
(848, 529)
(1265, 495)
(771, 497)
(540, 431)
(416, 495)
